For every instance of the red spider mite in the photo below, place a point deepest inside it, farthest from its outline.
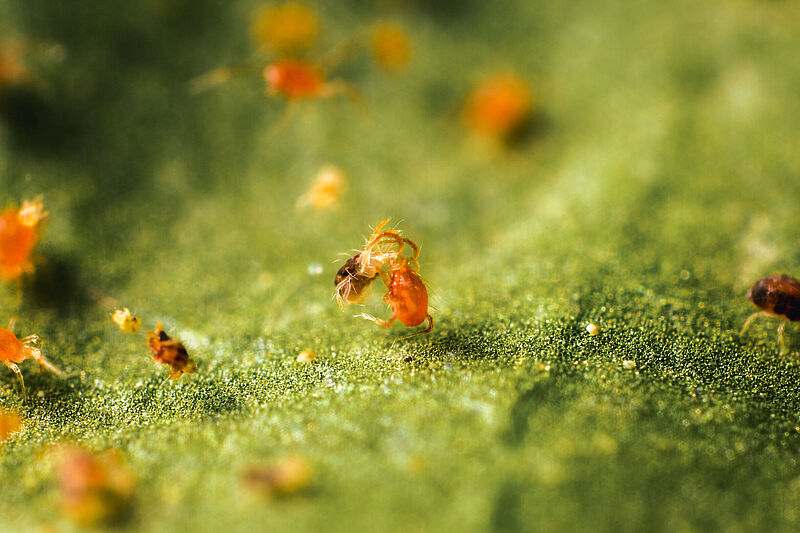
(301, 79)
(14, 351)
(406, 292)
(20, 229)
(779, 297)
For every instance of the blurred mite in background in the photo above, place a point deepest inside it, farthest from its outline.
(391, 46)
(14, 351)
(13, 71)
(325, 191)
(96, 489)
(286, 31)
(499, 107)
(287, 28)
(779, 297)
(20, 230)
(382, 255)
(290, 475)
(10, 423)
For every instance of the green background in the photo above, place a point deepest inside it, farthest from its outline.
(658, 182)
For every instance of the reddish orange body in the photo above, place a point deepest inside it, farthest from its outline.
(95, 489)
(498, 106)
(14, 350)
(295, 79)
(20, 229)
(407, 295)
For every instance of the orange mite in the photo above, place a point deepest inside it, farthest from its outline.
(779, 297)
(499, 106)
(290, 475)
(286, 28)
(406, 293)
(14, 351)
(170, 352)
(391, 46)
(300, 79)
(20, 229)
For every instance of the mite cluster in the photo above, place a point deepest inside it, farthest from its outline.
(383, 256)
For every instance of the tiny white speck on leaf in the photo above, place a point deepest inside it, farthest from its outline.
(593, 329)
(628, 364)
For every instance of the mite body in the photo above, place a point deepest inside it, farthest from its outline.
(407, 296)
(353, 286)
(779, 297)
(170, 352)
(499, 106)
(14, 351)
(300, 79)
(286, 28)
(20, 229)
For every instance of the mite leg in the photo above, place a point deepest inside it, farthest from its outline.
(753, 317)
(430, 326)
(341, 87)
(781, 343)
(344, 51)
(415, 255)
(14, 368)
(220, 75)
(12, 322)
(384, 323)
(424, 331)
(44, 364)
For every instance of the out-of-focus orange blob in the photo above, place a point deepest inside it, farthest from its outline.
(326, 190)
(391, 46)
(286, 28)
(95, 489)
(499, 105)
(294, 79)
(10, 423)
(12, 70)
(292, 474)
(20, 229)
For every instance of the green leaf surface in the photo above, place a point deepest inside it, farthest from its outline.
(659, 182)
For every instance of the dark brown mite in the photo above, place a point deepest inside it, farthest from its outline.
(779, 297)
(352, 287)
